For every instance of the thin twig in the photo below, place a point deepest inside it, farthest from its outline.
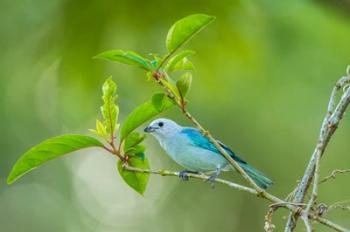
(339, 205)
(269, 226)
(343, 207)
(306, 223)
(333, 174)
(195, 176)
(313, 195)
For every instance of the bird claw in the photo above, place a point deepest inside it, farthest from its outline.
(212, 179)
(183, 175)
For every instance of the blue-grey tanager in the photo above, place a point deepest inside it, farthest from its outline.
(193, 151)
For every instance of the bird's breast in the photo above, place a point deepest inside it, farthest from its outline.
(194, 158)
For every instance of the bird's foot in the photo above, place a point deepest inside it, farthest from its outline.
(184, 174)
(213, 177)
(211, 180)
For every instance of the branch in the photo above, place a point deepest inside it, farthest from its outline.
(269, 226)
(313, 195)
(329, 126)
(339, 205)
(333, 174)
(277, 202)
(194, 176)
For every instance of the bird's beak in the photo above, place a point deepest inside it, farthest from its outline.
(149, 129)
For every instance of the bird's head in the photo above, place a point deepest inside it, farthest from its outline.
(162, 128)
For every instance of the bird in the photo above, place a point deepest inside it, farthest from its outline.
(189, 148)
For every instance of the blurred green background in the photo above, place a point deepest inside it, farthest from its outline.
(264, 72)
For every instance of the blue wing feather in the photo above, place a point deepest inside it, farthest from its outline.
(199, 140)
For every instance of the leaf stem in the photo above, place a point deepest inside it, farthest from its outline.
(114, 151)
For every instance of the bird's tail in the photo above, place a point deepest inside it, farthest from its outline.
(259, 178)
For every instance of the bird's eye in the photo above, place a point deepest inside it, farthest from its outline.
(160, 124)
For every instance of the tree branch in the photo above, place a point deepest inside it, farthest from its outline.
(333, 174)
(329, 126)
(313, 195)
(194, 176)
(277, 202)
(339, 205)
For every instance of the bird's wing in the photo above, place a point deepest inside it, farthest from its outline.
(198, 140)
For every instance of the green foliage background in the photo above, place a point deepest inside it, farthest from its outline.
(264, 72)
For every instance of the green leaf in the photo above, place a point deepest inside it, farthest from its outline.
(149, 75)
(161, 102)
(100, 128)
(135, 180)
(170, 84)
(183, 65)
(145, 112)
(141, 154)
(184, 29)
(126, 57)
(184, 84)
(136, 150)
(109, 109)
(139, 150)
(176, 59)
(132, 140)
(49, 150)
